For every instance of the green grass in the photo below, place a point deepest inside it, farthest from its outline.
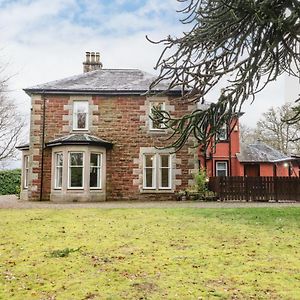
(150, 254)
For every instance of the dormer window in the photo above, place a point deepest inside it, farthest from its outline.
(80, 115)
(155, 125)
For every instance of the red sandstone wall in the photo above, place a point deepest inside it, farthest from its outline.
(119, 122)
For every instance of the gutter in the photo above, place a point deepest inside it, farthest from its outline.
(96, 92)
(283, 159)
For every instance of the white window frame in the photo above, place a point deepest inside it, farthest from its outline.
(75, 123)
(157, 171)
(69, 171)
(26, 171)
(99, 171)
(56, 168)
(152, 104)
(169, 168)
(218, 169)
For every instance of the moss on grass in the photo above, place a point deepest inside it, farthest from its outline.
(150, 254)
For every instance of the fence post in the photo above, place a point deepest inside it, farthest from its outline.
(275, 189)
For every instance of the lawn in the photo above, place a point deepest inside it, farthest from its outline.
(150, 254)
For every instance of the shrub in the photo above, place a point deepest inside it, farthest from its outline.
(10, 182)
(201, 182)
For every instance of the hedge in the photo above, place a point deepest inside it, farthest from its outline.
(10, 182)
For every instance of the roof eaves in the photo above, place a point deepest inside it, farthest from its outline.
(93, 143)
(23, 147)
(95, 92)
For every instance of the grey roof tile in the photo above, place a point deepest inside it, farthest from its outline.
(101, 81)
(79, 139)
(260, 152)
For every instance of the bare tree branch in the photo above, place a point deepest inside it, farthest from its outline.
(11, 123)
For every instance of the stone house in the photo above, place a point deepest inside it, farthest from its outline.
(92, 139)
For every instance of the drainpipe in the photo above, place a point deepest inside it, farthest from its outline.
(43, 144)
(230, 142)
(229, 153)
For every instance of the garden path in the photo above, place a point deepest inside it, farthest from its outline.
(12, 202)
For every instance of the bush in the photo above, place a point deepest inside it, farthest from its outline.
(10, 182)
(201, 182)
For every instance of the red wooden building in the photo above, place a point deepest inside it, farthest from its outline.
(228, 157)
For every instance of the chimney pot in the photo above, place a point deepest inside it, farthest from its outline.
(92, 62)
(97, 57)
(88, 57)
(93, 57)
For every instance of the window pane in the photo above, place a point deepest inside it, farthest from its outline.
(76, 176)
(59, 159)
(58, 170)
(58, 179)
(26, 159)
(221, 173)
(149, 177)
(149, 160)
(81, 106)
(76, 159)
(165, 177)
(81, 120)
(158, 106)
(95, 160)
(26, 171)
(94, 177)
(164, 161)
(95, 170)
(80, 114)
(221, 166)
(222, 135)
(221, 169)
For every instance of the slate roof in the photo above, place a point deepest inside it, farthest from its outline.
(103, 81)
(260, 152)
(79, 139)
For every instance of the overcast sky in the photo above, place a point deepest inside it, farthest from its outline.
(44, 40)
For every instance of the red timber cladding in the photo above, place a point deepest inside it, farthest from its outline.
(119, 122)
(225, 151)
(267, 169)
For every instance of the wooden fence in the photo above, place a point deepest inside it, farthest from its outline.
(256, 188)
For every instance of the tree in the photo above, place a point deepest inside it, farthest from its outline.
(281, 135)
(247, 134)
(11, 124)
(235, 46)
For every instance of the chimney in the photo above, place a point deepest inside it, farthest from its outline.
(92, 62)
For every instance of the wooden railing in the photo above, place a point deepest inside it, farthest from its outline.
(256, 188)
